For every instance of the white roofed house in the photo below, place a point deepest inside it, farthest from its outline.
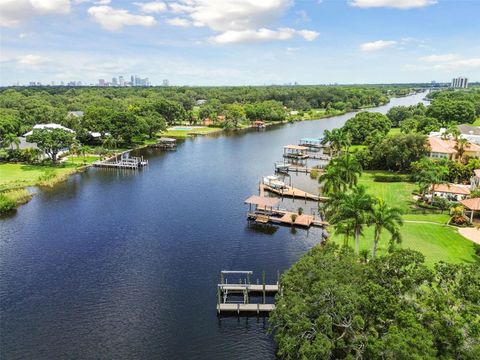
(48, 126)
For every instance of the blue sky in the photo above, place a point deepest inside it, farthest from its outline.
(240, 42)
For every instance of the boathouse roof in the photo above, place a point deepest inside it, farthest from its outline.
(295, 147)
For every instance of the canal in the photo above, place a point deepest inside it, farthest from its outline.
(124, 264)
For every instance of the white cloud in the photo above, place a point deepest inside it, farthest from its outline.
(446, 62)
(308, 35)
(96, 2)
(263, 34)
(377, 45)
(238, 21)
(31, 60)
(178, 22)
(115, 19)
(14, 12)
(151, 7)
(439, 58)
(242, 36)
(397, 4)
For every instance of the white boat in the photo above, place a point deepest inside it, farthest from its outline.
(274, 182)
(281, 166)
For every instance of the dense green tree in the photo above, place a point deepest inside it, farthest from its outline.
(392, 307)
(364, 124)
(397, 152)
(51, 141)
(398, 114)
(452, 111)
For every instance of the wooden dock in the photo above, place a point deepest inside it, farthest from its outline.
(287, 168)
(286, 218)
(247, 290)
(291, 192)
(245, 308)
(132, 163)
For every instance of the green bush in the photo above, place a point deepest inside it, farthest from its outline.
(389, 178)
(6, 204)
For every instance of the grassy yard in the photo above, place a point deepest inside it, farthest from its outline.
(436, 242)
(476, 122)
(189, 131)
(397, 194)
(17, 175)
(426, 233)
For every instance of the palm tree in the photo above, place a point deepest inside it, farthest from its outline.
(10, 140)
(331, 180)
(75, 147)
(355, 207)
(338, 140)
(341, 174)
(344, 228)
(385, 217)
(109, 142)
(349, 168)
(460, 144)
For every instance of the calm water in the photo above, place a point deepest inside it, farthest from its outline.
(114, 265)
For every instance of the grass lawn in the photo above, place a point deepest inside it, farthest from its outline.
(476, 122)
(422, 232)
(183, 134)
(80, 160)
(436, 242)
(397, 194)
(14, 176)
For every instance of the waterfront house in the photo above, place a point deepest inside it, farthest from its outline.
(451, 192)
(207, 122)
(447, 149)
(471, 205)
(50, 126)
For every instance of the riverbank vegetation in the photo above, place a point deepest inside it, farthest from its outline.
(391, 307)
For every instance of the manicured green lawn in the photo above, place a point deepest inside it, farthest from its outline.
(436, 242)
(476, 122)
(398, 194)
(422, 232)
(14, 176)
(81, 160)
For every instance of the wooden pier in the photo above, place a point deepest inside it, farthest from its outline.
(246, 290)
(265, 212)
(132, 163)
(286, 168)
(290, 191)
(165, 143)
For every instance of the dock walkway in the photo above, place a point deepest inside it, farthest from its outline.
(290, 191)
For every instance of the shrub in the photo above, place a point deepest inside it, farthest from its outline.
(389, 178)
(314, 174)
(6, 204)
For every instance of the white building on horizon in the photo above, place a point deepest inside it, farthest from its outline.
(460, 83)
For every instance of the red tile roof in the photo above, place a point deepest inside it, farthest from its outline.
(452, 189)
(471, 204)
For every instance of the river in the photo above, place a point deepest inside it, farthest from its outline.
(117, 265)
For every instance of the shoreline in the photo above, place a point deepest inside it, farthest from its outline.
(59, 178)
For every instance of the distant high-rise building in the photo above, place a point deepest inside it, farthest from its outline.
(132, 80)
(114, 81)
(460, 83)
(121, 82)
(62, 83)
(101, 82)
(165, 82)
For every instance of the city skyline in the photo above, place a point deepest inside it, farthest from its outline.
(205, 42)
